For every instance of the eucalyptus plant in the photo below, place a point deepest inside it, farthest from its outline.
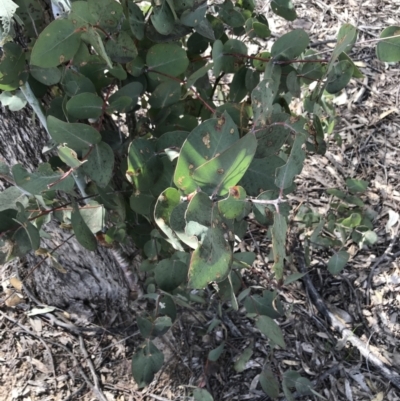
(208, 137)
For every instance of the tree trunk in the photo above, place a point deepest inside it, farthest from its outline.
(94, 286)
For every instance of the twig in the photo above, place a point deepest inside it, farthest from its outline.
(96, 381)
(348, 335)
(74, 395)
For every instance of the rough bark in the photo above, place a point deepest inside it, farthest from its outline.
(94, 287)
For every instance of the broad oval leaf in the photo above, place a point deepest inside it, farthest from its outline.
(82, 232)
(388, 50)
(338, 262)
(100, 163)
(271, 330)
(290, 45)
(284, 8)
(77, 136)
(168, 59)
(56, 44)
(146, 363)
(165, 94)
(225, 170)
(85, 105)
(211, 261)
(269, 383)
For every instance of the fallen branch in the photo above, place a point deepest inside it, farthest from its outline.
(347, 334)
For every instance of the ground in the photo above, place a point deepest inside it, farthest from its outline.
(40, 360)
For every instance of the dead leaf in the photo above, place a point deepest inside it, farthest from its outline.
(16, 283)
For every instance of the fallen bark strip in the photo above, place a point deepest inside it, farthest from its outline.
(347, 334)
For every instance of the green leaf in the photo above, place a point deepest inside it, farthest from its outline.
(263, 97)
(144, 165)
(260, 176)
(290, 45)
(85, 105)
(93, 214)
(108, 13)
(135, 67)
(269, 383)
(178, 225)
(356, 186)
(225, 170)
(348, 35)
(36, 183)
(194, 17)
(166, 203)
(244, 357)
(131, 90)
(230, 63)
(118, 72)
(200, 394)
(197, 44)
(163, 19)
(32, 14)
(7, 219)
(356, 71)
(69, 156)
(198, 74)
(75, 83)
(271, 330)
(211, 261)
(388, 50)
(271, 139)
(136, 20)
(204, 143)
(12, 67)
(9, 198)
(27, 237)
(217, 56)
(231, 15)
(338, 262)
(261, 30)
(214, 354)
(57, 44)
(142, 203)
(168, 59)
(146, 363)
(293, 84)
(339, 76)
(93, 38)
(304, 386)
(100, 164)
(80, 14)
(165, 94)
(238, 88)
(286, 174)
(233, 206)
(82, 232)
(77, 136)
(252, 79)
(293, 277)
(7, 11)
(343, 32)
(278, 243)
(290, 378)
(170, 274)
(354, 220)
(46, 76)
(121, 48)
(14, 100)
(284, 8)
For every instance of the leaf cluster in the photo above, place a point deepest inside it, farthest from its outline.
(211, 138)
